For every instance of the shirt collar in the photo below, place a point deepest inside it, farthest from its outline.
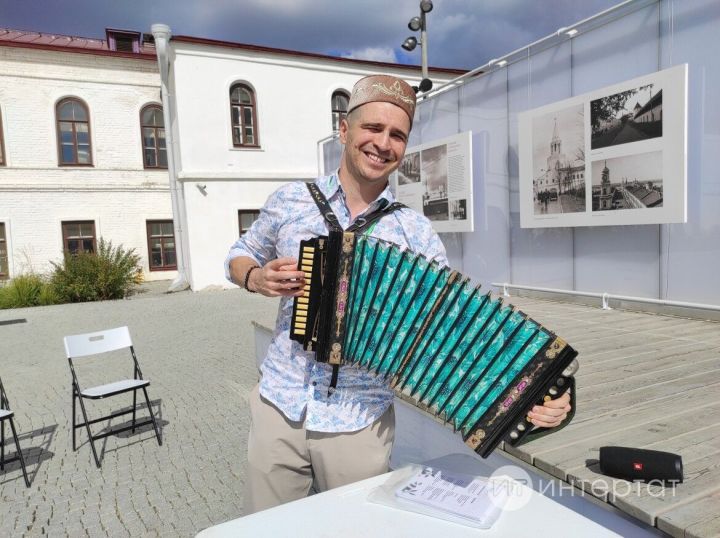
(330, 186)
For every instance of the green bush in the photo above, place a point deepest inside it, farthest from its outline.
(111, 273)
(26, 290)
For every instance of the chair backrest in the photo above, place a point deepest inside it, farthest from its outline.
(82, 345)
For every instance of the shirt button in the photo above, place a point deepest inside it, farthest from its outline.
(314, 383)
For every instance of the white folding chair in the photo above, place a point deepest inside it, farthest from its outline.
(7, 415)
(86, 345)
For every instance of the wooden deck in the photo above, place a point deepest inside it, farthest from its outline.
(645, 381)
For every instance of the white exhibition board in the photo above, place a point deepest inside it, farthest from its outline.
(613, 156)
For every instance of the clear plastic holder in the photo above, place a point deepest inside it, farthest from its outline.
(473, 501)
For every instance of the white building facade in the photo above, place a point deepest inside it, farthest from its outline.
(224, 178)
(74, 166)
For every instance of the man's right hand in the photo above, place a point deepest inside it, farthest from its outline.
(278, 278)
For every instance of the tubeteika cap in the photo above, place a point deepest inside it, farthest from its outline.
(383, 88)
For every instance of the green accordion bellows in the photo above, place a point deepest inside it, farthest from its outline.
(471, 360)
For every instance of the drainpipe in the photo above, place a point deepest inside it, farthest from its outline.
(162, 33)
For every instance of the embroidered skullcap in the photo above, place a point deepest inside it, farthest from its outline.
(385, 88)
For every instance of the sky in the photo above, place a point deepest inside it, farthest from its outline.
(461, 33)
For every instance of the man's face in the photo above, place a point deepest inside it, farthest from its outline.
(375, 140)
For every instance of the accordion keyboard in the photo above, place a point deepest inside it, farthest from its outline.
(303, 321)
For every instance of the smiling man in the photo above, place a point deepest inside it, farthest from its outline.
(301, 432)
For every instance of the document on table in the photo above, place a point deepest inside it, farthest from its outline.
(472, 497)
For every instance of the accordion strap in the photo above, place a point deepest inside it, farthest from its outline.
(361, 224)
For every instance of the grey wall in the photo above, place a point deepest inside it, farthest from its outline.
(673, 261)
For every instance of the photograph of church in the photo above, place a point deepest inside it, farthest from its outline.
(559, 162)
(630, 182)
(409, 170)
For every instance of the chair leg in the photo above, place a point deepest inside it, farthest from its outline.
(74, 395)
(152, 417)
(134, 409)
(90, 437)
(19, 453)
(2, 445)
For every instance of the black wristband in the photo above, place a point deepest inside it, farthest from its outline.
(247, 278)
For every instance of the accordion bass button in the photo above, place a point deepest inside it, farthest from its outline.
(521, 427)
(553, 391)
(560, 382)
(547, 398)
(514, 435)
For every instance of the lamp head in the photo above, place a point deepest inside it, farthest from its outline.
(409, 44)
(426, 6)
(415, 24)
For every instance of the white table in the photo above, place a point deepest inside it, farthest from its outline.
(346, 512)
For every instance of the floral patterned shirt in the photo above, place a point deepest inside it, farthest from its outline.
(291, 378)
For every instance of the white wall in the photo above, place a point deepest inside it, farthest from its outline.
(36, 194)
(293, 112)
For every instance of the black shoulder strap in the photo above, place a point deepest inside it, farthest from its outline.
(360, 224)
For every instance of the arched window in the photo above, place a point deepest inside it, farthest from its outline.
(152, 128)
(243, 113)
(339, 106)
(73, 129)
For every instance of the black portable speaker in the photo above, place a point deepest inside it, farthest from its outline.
(640, 464)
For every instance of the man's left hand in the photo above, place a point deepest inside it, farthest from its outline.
(551, 413)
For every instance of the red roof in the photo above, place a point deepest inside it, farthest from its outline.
(64, 43)
(85, 45)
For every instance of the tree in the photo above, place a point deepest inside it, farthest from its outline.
(607, 108)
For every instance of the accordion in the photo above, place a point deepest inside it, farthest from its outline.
(472, 361)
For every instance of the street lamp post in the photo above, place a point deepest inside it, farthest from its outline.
(415, 24)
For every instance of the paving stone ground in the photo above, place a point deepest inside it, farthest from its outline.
(197, 350)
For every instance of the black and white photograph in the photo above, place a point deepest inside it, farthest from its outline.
(559, 161)
(409, 169)
(627, 116)
(630, 182)
(435, 178)
(458, 209)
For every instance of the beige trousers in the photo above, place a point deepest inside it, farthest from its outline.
(285, 460)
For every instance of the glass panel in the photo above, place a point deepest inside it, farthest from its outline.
(82, 133)
(158, 120)
(86, 229)
(237, 138)
(65, 112)
(246, 220)
(235, 94)
(162, 158)
(148, 137)
(68, 154)
(340, 102)
(155, 229)
(170, 258)
(248, 115)
(147, 116)
(249, 139)
(245, 97)
(160, 138)
(66, 135)
(88, 245)
(236, 115)
(149, 155)
(83, 154)
(335, 121)
(79, 113)
(167, 228)
(73, 245)
(156, 257)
